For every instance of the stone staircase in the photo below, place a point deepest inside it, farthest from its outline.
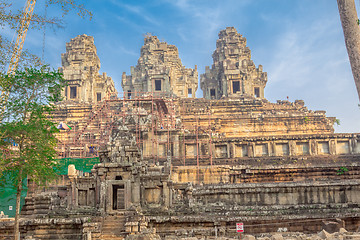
(113, 227)
(28, 208)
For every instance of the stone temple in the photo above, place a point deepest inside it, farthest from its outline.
(157, 163)
(233, 73)
(159, 70)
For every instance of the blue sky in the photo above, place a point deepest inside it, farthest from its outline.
(299, 43)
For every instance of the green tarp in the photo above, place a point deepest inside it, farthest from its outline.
(81, 164)
(8, 191)
(8, 195)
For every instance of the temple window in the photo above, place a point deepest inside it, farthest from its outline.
(212, 93)
(98, 97)
(236, 86)
(257, 92)
(73, 92)
(189, 92)
(157, 85)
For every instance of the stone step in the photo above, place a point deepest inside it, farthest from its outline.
(114, 224)
(112, 230)
(352, 237)
(114, 220)
(111, 236)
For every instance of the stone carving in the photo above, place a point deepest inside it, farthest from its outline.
(159, 69)
(233, 73)
(80, 66)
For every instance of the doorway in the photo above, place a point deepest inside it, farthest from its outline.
(118, 197)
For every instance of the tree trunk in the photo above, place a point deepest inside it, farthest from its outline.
(349, 22)
(17, 208)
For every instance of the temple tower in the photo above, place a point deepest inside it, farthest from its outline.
(80, 66)
(233, 73)
(159, 70)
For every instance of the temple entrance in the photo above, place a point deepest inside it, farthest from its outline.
(118, 197)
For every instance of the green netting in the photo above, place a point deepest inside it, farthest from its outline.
(8, 195)
(81, 164)
(8, 191)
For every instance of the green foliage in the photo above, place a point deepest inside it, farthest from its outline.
(27, 134)
(306, 119)
(337, 121)
(69, 5)
(341, 171)
(10, 18)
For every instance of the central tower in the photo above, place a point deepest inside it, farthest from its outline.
(159, 70)
(233, 73)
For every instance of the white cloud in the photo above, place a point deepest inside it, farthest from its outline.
(310, 63)
(137, 10)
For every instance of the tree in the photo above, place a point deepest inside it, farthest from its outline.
(350, 24)
(27, 141)
(10, 17)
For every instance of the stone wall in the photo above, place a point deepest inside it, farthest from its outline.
(80, 66)
(233, 73)
(160, 71)
(253, 117)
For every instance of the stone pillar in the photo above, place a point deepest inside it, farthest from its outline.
(103, 195)
(166, 194)
(332, 147)
(313, 147)
(292, 148)
(251, 150)
(128, 191)
(136, 192)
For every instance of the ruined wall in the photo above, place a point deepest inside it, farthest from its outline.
(80, 66)
(198, 166)
(233, 73)
(159, 69)
(253, 117)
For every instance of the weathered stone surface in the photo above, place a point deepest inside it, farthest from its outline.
(160, 71)
(324, 235)
(233, 73)
(277, 237)
(193, 168)
(249, 237)
(143, 236)
(80, 66)
(333, 226)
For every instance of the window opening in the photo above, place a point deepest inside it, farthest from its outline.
(98, 97)
(236, 86)
(157, 85)
(73, 92)
(257, 92)
(189, 92)
(212, 93)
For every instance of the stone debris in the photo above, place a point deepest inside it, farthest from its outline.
(333, 226)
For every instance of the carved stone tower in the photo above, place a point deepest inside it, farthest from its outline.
(233, 73)
(80, 66)
(159, 70)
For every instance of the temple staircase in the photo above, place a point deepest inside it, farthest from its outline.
(113, 227)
